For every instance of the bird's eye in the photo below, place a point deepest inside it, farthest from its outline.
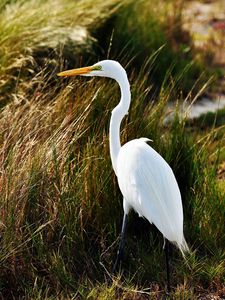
(97, 68)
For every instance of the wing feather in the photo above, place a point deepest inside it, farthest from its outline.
(149, 186)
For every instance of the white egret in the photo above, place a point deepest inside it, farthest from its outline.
(145, 179)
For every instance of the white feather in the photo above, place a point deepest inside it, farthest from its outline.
(149, 187)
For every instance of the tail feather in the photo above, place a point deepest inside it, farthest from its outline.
(183, 247)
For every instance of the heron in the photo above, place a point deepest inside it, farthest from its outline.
(145, 179)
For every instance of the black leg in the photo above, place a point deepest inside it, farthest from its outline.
(167, 246)
(120, 252)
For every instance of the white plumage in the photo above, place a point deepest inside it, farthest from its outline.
(149, 187)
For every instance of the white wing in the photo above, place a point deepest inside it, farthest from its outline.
(149, 186)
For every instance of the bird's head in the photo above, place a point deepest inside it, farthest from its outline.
(104, 68)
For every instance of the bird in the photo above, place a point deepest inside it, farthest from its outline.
(146, 181)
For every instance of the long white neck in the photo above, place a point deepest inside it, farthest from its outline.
(117, 115)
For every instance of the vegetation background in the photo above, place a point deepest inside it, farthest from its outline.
(60, 206)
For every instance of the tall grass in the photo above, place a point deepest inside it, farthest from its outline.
(60, 205)
(32, 31)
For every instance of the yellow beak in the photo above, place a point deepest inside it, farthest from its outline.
(75, 72)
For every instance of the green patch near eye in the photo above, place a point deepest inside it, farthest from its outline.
(97, 68)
